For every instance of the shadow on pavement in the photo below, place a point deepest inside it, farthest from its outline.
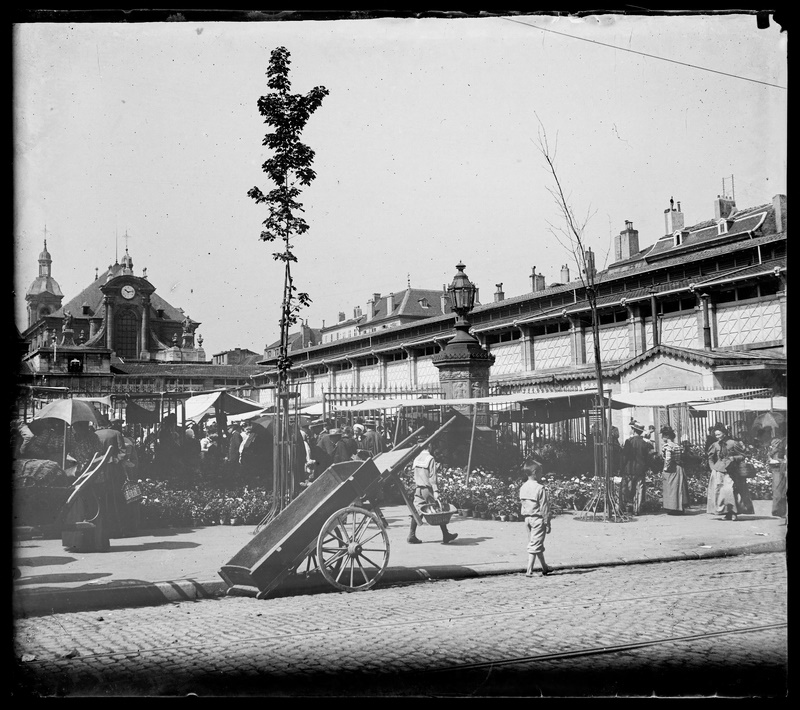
(154, 546)
(61, 578)
(43, 561)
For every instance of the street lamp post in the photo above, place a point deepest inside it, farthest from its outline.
(463, 364)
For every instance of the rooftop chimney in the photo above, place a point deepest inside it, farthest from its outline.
(565, 274)
(341, 316)
(373, 305)
(590, 271)
(443, 298)
(499, 295)
(673, 218)
(390, 304)
(357, 312)
(779, 205)
(723, 207)
(626, 244)
(537, 281)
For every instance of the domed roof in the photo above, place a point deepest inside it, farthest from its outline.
(127, 261)
(45, 255)
(44, 284)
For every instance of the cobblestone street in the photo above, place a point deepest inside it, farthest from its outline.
(675, 628)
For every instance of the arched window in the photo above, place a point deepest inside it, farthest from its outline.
(126, 332)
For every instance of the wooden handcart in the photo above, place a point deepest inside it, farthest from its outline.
(79, 526)
(332, 526)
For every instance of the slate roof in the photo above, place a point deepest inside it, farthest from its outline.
(407, 303)
(742, 223)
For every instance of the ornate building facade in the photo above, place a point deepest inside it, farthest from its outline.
(116, 336)
(702, 307)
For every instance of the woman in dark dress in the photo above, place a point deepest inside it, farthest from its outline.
(777, 465)
(675, 498)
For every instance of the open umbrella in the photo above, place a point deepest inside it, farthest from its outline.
(68, 411)
(768, 419)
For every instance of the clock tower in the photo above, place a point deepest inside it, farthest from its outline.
(126, 302)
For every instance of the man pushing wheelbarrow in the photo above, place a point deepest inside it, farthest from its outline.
(426, 496)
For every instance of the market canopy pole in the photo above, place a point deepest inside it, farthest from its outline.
(472, 440)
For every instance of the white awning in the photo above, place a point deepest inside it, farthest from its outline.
(499, 400)
(758, 404)
(198, 406)
(668, 398)
(232, 418)
(314, 410)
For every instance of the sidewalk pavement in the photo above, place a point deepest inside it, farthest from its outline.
(179, 564)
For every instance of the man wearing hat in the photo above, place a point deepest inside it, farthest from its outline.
(637, 455)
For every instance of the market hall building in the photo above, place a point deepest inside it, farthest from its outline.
(704, 307)
(119, 337)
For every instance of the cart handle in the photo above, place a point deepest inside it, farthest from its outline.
(88, 474)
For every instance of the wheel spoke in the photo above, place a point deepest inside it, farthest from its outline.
(335, 558)
(372, 537)
(365, 521)
(363, 573)
(341, 571)
(376, 566)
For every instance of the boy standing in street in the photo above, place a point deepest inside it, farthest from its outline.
(535, 508)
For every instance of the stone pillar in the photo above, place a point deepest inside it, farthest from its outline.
(705, 320)
(109, 307)
(712, 317)
(412, 366)
(654, 312)
(577, 340)
(145, 349)
(526, 343)
(356, 374)
(382, 372)
(464, 371)
(636, 330)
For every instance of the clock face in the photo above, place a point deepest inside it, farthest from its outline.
(128, 292)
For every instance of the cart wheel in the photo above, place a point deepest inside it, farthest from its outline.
(353, 549)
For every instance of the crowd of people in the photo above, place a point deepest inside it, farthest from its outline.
(725, 455)
(243, 453)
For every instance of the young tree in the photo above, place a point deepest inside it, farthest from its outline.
(572, 236)
(289, 168)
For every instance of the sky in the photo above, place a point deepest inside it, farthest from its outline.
(426, 150)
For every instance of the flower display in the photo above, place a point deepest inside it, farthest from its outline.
(165, 506)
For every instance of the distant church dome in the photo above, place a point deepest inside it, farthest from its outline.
(44, 282)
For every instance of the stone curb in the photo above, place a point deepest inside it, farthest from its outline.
(38, 602)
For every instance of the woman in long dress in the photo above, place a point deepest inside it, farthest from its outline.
(777, 465)
(674, 481)
(725, 458)
(715, 476)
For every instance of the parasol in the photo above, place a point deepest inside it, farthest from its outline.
(68, 411)
(768, 419)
